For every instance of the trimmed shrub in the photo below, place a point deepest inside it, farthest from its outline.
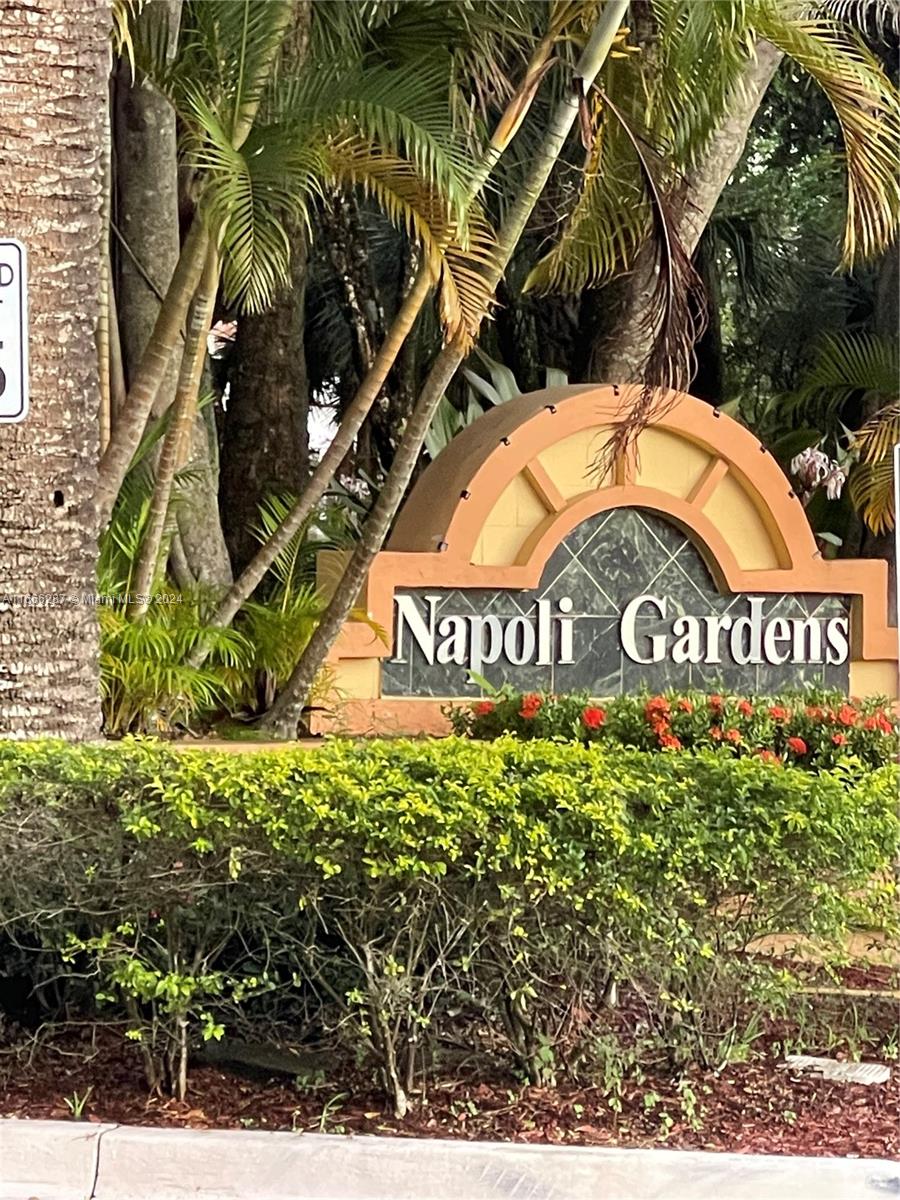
(391, 895)
(816, 730)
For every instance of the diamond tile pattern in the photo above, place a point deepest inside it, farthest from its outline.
(603, 564)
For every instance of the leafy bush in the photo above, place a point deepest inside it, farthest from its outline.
(395, 896)
(814, 730)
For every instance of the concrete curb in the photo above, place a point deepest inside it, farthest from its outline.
(57, 1160)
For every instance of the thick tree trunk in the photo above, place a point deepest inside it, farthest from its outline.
(54, 62)
(199, 525)
(266, 442)
(146, 212)
(621, 356)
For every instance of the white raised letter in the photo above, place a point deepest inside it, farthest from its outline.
(566, 628)
(627, 630)
(837, 634)
(408, 614)
(453, 647)
(687, 647)
(777, 631)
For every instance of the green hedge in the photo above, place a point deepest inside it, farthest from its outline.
(816, 730)
(393, 896)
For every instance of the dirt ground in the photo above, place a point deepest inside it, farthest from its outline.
(748, 1107)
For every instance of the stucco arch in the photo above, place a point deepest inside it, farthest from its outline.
(498, 500)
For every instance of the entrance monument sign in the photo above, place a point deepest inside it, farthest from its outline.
(693, 566)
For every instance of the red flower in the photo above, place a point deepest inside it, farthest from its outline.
(814, 711)
(669, 741)
(885, 725)
(733, 735)
(745, 708)
(715, 733)
(797, 744)
(878, 721)
(593, 718)
(531, 703)
(847, 714)
(484, 708)
(686, 706)
(839, 739)
(769, 756)
(777, 713)
(716, 703)
(657, 708)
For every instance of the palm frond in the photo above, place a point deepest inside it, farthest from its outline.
(249, 196)
(847, 365)
(872, 480)
(123, 16)
(399, 191)
(868, 110)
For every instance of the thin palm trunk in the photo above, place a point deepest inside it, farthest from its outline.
(284, 714)
(173, 448)
(358, 409)
(155, 361)
(131, 421)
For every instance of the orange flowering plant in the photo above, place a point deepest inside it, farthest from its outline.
(814, 729)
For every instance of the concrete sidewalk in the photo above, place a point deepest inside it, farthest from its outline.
(61, 1160)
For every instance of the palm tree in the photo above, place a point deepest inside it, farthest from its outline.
(337, 122)
(50, 201)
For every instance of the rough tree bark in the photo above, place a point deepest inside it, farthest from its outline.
(622, 355)
(54, 62)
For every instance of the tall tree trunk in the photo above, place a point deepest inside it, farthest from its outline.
(146, 210)
(348, 249)
(265, 445)
(199, 524)
(175, 442)
(284, 714)
(265, 436)
(621, 356)
(54, 63)
(151, 371)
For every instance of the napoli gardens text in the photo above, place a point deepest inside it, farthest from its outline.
(646, 633)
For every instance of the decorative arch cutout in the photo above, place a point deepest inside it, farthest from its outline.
(495, 506)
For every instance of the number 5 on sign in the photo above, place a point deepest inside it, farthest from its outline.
(13, 331)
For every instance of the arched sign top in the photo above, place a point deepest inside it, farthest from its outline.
(478, 566)
(454, 497)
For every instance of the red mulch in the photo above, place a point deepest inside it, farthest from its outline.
(748, 1108)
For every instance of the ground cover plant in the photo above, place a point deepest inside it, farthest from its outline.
(402, 912)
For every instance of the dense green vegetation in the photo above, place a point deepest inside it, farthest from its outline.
(389, 899)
